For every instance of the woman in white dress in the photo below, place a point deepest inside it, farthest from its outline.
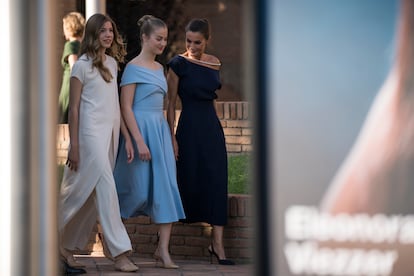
(88, 190)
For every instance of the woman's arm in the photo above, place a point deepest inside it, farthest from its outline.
(71, 60)
(73, 117)
(127, 98)
(172, 81)
(129, 148)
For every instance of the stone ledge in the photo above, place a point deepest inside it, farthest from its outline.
(190, 241)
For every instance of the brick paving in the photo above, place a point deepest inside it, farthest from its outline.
(96, 264)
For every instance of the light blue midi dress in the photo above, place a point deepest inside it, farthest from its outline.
(149, 188)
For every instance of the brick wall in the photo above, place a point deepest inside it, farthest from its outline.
(234, 116)
(190, 241)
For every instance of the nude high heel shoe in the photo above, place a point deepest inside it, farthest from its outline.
(122, 263)
(68, 258)
(158, 257)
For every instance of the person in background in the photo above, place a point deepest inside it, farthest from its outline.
(199, 142)
(73, 27)
(88, 190)
(147, 185)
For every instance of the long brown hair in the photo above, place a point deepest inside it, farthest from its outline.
(91, 45)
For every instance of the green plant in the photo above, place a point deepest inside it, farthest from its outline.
(239, 177)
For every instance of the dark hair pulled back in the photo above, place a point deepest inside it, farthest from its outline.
(199, 25)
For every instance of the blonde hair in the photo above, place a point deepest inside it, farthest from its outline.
(91, 45)
(74, 22)
(148, 23)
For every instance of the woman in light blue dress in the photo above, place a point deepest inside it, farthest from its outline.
(147, 184)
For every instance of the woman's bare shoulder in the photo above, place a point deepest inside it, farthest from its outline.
(212, 59)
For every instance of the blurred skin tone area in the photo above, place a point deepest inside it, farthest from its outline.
(377, 176)
(344, 138)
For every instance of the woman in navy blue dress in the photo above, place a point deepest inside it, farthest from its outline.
(199, 143)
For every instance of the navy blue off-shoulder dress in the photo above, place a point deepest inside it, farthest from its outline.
(202, 160)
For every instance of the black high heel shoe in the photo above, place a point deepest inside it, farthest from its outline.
(69, 270)
(220, 261)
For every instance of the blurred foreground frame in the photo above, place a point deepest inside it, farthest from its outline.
(264, 261)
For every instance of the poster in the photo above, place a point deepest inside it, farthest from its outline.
(342, 169)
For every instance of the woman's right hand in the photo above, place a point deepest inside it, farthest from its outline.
(73, 158)
(175, 147)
